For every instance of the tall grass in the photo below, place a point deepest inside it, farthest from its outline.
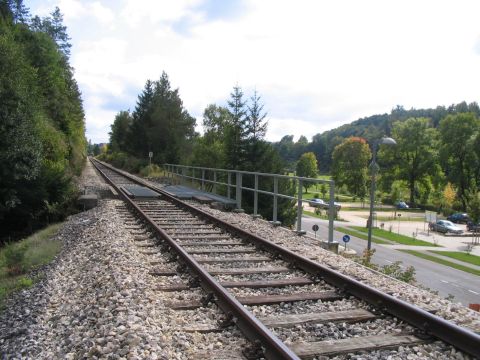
(17, 259)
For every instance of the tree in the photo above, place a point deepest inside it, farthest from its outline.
(307, 167)
(53, 27)
(161, 124)
(474, 207)
(414, 158)
(215, 121)
(42, 140)
(458, 133)
(350, 165)
(119, 136)
(235, 131)
(255, 130)
(448, 195)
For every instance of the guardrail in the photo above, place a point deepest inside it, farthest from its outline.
(234, 181)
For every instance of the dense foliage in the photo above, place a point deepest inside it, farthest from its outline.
(437, 149)
(234, 138)
(349, 169)
(160, 124)
(42, 141)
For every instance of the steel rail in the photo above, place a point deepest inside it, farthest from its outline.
(462, 338)
(250, 326)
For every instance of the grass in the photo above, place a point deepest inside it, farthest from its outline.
(398, 238)
(360, 235)
(442, 261)
(468, 258)
(17, 259)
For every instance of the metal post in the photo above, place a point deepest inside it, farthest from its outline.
(299, 208)
(275, 199)
(193, 176)
(214, 188)
(203, 179)
(184, 175)
(372, 196)
(331, 212)
(255, 197)
(238, 195)
(229, 184)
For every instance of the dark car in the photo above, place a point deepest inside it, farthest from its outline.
(319, 203)
(459, 218)
(402, 205)
(472, 227)
(445, 226)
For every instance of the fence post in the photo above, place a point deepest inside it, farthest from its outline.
(275, 200)
(229, 184)
(331, 212)
(193, 177)
(184, 175)
(255, 197)
(238, 195)
(203, 179)
(299, 208)
(214, 188)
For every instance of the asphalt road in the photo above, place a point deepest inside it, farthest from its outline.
(447, 281)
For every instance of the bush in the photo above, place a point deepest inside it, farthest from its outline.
(152, 170)
(14, 255)
(25, 282)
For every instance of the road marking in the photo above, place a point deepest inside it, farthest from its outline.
(474, 292)
(391, 262)
(444, 281)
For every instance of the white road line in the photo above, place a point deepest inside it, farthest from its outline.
(444, 281)
(474, 292)
(391, 262)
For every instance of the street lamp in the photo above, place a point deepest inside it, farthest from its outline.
(374, 169)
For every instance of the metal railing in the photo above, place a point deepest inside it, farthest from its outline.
(213, 176)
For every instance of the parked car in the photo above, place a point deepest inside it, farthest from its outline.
(460, 218)
(402, 205)
(472, 227)
(319, 203)
(445, 226)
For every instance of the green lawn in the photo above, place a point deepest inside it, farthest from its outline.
(25, 255)
(442, 261)
(398, 238)
(468, 258)
(359, 235)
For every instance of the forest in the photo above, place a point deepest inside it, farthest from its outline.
(234, 138)
(435, 164)
(42, 121)
(437, 154)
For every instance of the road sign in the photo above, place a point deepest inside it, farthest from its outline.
(315, 227)
(346, 238)
(150, 154)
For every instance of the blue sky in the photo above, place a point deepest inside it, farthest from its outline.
(316, 64)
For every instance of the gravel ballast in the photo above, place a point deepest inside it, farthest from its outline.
(97, 299)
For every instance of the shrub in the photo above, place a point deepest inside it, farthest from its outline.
(25, 282)
(14, 255)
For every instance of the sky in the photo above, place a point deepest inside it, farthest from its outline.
(316, 64)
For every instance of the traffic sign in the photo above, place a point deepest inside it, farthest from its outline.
(346, 238)
(315, 227)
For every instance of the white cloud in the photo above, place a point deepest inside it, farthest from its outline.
(317, 64)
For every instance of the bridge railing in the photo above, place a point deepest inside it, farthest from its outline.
(232, 181)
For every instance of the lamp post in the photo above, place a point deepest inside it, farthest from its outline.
(374, 169)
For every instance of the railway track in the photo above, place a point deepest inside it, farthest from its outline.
(286, 305)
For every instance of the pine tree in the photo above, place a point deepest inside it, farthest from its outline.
(255, 130)
(235, 131)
